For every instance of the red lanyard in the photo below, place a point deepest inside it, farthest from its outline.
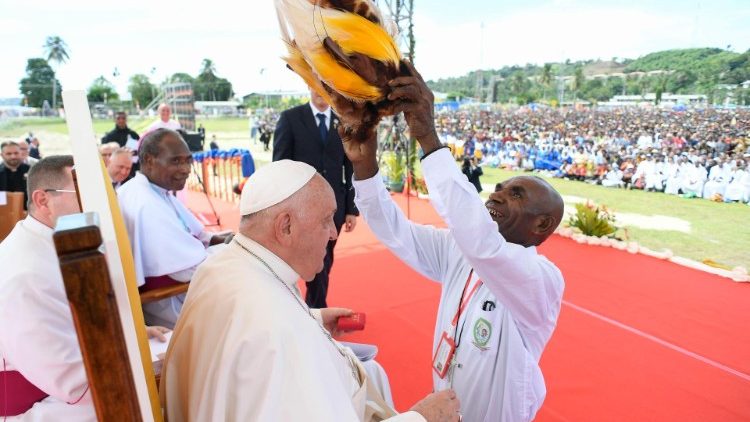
(466, 300)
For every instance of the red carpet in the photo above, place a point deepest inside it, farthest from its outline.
(638, 339)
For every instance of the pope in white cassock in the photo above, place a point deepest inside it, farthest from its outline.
(500, 298)
(168, 242)
(246, 346)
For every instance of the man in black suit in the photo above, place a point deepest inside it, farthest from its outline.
(308, 133)
(13, 170)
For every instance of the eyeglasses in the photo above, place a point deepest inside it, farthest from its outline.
(60, 190)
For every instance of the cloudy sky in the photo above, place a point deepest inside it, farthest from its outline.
(159, 38)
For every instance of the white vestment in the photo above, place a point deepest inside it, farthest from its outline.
(37, 335)
(246, 349)
(739, 188)
(718, 179)
(160, 124)
(166, 239)
(674, 179)
(694, 179)
(509, 319)
(613, 178)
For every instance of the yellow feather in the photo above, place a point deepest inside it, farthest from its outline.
(297, 62)
(357, 34)
(342, 79)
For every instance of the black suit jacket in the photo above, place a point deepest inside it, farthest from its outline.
(297, 138)
(6, 184)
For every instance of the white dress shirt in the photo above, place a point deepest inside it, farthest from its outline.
(326, 112)
(498, 377)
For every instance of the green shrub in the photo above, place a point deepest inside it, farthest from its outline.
(593, 220)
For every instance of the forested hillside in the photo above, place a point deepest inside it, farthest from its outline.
(686, 71)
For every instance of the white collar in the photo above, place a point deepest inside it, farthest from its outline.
(284, 271)
(158, 189)
(37, 227)
(315, 112)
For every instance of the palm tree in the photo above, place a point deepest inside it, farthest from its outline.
(578, 80)
(57, 52)
(545, 79)
(208, 67)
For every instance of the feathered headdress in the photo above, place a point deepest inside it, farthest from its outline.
(340, 47)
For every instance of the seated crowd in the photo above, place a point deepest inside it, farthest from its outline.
(694, 153)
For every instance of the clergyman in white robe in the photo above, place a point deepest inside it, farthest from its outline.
(37, 335)
(166, 240)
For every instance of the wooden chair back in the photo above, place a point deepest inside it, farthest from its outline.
(97, 321)
(11, 212)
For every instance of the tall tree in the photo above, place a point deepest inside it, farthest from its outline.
(57, 52)
(578, 80)
(545, 78)
(141, 90)
(181, 77)
(102, 91)
(209, 87)
(35, 86)
(208, 67)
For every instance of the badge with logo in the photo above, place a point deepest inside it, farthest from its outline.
(482, 333)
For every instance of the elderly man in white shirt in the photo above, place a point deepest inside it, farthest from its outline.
(164, 121)
(168, 242)
(500, 298)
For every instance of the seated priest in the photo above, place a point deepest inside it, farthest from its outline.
(247, 347)
(168, 242)
(43, 377)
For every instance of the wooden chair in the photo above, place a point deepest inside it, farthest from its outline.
(11, 213)
(97, 321)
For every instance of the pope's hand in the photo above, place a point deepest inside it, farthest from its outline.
(331, 317)
(157, 332)
(442, 406)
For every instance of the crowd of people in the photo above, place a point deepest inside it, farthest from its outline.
(695, 153)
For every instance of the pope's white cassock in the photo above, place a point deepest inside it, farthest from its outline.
(37, 335)
(512, 315)
(166, 240)
(246, 347)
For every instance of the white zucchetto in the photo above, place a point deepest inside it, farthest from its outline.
(274, 183)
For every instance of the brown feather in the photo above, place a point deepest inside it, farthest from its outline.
(360, 7)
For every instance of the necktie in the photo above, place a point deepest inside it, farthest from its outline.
(322, 127)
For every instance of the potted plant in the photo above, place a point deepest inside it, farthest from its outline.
(394, 168)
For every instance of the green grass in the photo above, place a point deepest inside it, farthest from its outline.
(19, 127)
(719, 232)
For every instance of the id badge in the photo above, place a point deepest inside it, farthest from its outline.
(441, 362)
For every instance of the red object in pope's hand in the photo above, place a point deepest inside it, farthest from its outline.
(355, 322)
